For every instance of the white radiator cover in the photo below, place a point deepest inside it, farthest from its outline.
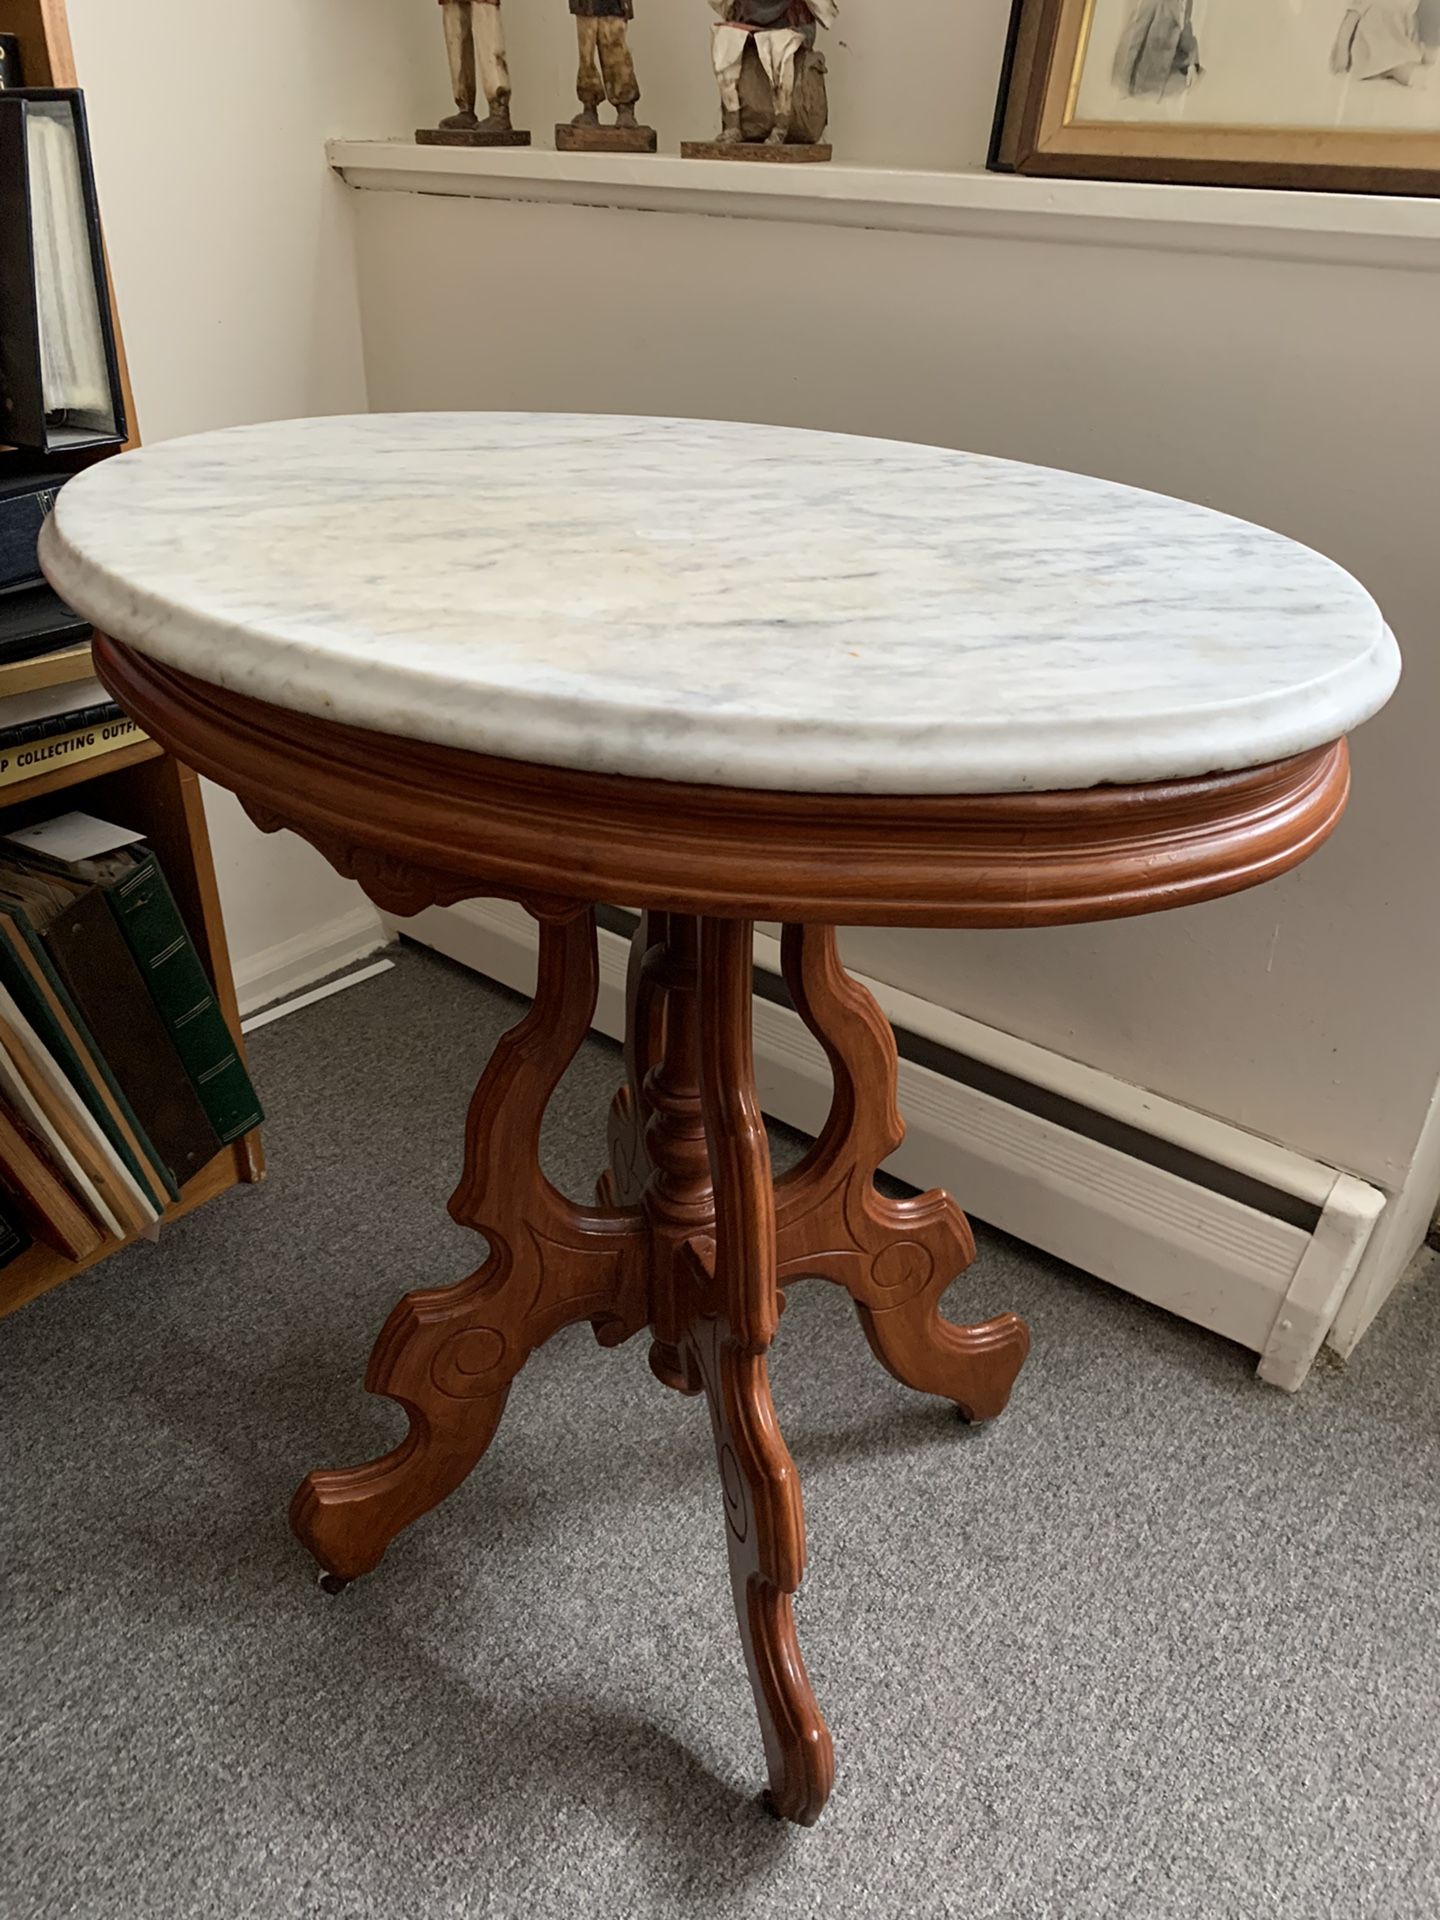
(1235, 1265)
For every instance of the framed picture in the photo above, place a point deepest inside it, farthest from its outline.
(1280, 93)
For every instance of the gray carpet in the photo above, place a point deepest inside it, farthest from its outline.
(1160, 1642)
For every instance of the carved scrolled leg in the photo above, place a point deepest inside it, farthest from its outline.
(735, 1311)
(895, 1257)
(449, 1354)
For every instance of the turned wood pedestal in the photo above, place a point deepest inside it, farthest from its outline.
(689, 1237)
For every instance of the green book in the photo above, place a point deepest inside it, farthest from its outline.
(138, 895)
(148, 917)
(43, 998)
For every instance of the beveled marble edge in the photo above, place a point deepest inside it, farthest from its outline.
(553, 732)
(774, 735)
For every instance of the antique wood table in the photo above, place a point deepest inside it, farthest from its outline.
(720, 673)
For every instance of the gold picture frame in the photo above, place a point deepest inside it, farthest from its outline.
(1064, 107)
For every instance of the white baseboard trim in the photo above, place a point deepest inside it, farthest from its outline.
(1395, 1243)
(327, 990)
(295, 963)
(1238, 1234)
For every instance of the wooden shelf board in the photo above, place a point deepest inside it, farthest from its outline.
(41, 1268)
(60, 669)
(79, 771)
(46, 55)
(1387, 230)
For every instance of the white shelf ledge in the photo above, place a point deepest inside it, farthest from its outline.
(1373, 229)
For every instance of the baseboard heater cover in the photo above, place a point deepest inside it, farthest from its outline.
(1241, 1236)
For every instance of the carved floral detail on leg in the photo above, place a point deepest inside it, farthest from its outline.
(730, 1327)
(624, 1181)
(680, 1197)
(448, 1355)
(895, 1257)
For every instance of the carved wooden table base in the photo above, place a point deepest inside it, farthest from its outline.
(692, 1238)
(689, 1236)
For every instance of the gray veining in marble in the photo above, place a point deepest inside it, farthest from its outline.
(727, 604)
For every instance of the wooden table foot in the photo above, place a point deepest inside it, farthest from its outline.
(348, 1516)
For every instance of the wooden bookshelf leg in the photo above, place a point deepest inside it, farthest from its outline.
(734, 1311)
(449, 1355)
(895, 1257)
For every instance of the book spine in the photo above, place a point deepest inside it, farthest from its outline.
(13, 1237)
(78, 720)
(21, 517)
(48, 1005)
(46, 671)
(20, 1088)
(128, 1201)
(34, 621)
(150, 921)
(27, 996)
(89, 952)
(84, 743)
(49, 1212)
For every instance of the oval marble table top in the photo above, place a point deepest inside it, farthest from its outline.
(723, 604)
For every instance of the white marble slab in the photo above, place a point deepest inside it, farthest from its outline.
(726, 604)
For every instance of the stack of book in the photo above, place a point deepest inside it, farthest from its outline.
(52, 708)
(109, 1101)
(119, 1078)
(61, 402)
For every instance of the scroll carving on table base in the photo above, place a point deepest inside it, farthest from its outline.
(449, 1354)
(691, 1237)
(895, 1258)
(774, 100)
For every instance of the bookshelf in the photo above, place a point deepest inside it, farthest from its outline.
(138, 784)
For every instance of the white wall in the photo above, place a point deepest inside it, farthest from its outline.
(232, 251)
(1293, 392)
(1306, 1011)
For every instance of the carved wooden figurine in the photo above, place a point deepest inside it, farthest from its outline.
(771, 77)
(607, 72)
(475, 42)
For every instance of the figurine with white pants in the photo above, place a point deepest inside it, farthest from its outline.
(780, 31)
(475, 43)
